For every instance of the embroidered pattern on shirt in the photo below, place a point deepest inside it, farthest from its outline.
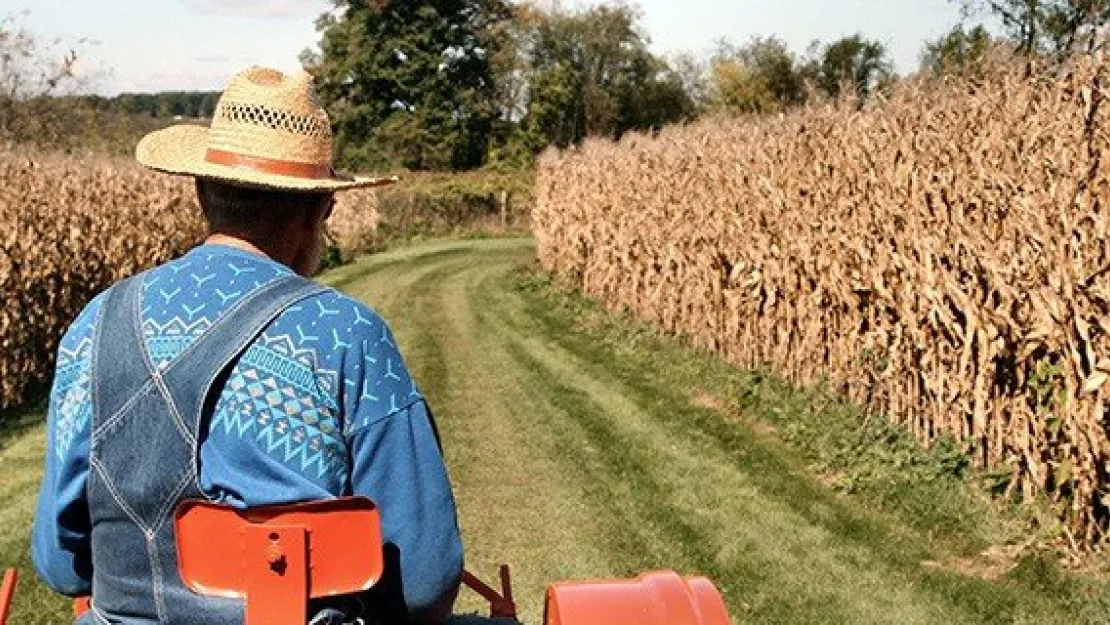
(72, 385)
(272, 397)
(178, 299)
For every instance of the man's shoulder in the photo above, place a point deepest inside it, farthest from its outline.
(339, 329)
(80, 331)
(350, 350)
(331, 309)
(83, 327)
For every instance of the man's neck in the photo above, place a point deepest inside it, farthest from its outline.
(282, 256)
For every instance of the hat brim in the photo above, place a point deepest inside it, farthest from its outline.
(180, 150)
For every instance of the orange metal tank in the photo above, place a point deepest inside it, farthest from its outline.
(658, 598)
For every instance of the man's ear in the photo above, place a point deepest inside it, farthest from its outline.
(317, 214)
(324, 208)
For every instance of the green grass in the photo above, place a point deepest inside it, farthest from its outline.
(582, 445)
(22, 446)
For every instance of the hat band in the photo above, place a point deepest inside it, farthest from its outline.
(292, 169)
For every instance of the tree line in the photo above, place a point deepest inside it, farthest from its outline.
(461, 84)
(190, 104)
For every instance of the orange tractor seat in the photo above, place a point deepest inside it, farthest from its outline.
(277, 558)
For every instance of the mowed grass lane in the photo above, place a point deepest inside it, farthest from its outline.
(573, 456)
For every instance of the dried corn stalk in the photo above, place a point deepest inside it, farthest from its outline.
(941, 257)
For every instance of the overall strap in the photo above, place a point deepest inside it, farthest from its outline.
(190, 377)
(144, 449)
(120, 333)
(186, 381)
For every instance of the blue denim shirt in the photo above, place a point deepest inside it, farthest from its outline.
(320, 405)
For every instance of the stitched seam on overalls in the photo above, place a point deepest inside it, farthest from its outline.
(196, 447)
(137, 325)
(100, 618)
(94, 395)
(155, 375)
(97, 333)
(244, 343)
(167, 505)
(175, 414)
(194, 459)
(116, 495)
(157, 584)
(119, 415)
(157, 574)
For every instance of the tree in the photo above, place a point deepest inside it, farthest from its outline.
(958, 50)
(656, 96)
(511, 63)
(739, 87)
(855, 62)
(409, 82)
(693, 72)
(1057, 27)
(592, 74)
(33, 74)
(759, 77)
(29, 73)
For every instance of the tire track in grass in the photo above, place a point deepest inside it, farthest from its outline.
(380, 280)
(353, 277)
(656, 502)
(657, 521)
(515, 502)
(866, 568)
(537, 420)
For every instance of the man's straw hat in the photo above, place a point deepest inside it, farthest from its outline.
(268, 131)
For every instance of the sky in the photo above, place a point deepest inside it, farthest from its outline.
(164, 45)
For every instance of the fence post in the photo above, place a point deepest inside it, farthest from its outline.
(503, 205)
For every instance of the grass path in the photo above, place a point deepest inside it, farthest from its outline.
(577, 452)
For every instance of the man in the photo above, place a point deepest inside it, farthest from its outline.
(225, 375)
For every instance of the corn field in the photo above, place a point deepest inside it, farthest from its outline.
(940, 257)
(71, 227)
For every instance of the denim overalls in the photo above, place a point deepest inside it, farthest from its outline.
(146, 423)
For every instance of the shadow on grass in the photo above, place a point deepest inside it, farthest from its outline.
(18, 420)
